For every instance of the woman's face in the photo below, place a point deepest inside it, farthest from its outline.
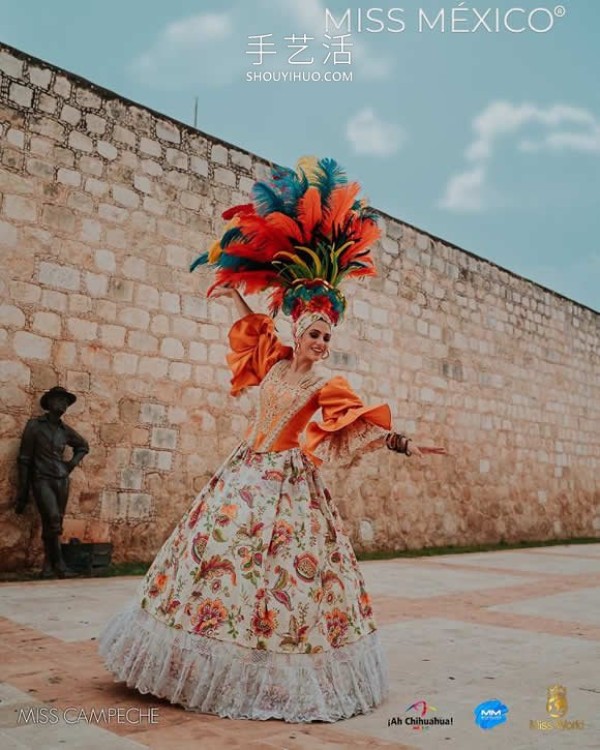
(314, 342)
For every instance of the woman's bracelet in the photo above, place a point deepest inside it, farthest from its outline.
(398, 443)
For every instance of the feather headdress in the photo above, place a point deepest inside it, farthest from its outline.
(305, 231)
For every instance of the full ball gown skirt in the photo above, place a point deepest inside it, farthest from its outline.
(255, 606)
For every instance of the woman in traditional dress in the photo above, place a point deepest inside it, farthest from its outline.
(255, 606)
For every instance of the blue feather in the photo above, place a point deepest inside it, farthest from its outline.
(230, 236)
(199, 261)
(235, 262)
(266, 200)
(332, 175)
(290, 186)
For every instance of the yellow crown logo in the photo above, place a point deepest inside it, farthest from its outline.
(556, 703)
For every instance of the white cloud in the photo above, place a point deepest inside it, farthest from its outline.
(567, 128)
(369, 135)
(464, 191)
(199, 48)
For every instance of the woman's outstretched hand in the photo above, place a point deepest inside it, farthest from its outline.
(422, 450)
(401, 444)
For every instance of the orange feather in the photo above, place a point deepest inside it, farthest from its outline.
(365, 232)
(309, 212)
(340, 202)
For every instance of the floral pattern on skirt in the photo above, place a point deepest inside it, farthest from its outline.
(260, 559)
(259, 564)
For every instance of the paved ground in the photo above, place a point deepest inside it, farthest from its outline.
(458, 630)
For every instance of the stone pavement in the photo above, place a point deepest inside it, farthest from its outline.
(458, 630)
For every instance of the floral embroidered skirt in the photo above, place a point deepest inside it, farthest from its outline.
(255, 606)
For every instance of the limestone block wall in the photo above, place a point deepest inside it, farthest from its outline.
(103, 205)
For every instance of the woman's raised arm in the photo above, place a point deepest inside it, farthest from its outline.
(240, 303)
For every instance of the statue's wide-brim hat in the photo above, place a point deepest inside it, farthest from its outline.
(57, 390)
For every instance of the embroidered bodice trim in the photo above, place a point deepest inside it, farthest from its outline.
(279, 401)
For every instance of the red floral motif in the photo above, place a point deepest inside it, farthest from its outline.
(173, 605)
(215, 567)
(282, 535)
(364, 604)
(210, 614)
(264, 621)
(306, 565)
(329, 579)
(273, 475)
(198, 546)
(227, 513)
(337, 627)
(196, 513)
(158, 585)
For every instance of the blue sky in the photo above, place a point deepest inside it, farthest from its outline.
(488, 139)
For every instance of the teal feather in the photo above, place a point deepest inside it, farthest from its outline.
(331, 174)
(290, 186)
(199, 261)
(266, 199)
(231, 235)
(235, 262)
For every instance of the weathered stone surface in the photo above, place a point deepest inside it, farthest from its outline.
(105, 205)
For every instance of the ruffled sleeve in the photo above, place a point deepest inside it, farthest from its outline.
(255, 348)
(349, 428)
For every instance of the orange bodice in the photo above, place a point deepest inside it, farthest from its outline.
(284, 411)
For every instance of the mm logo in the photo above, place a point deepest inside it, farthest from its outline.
(490, 713)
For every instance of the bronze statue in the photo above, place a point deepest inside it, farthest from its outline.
(43, 469)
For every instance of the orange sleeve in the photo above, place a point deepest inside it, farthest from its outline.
(348, 426)
(255, 348)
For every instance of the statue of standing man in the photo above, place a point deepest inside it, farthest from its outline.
(43, 470)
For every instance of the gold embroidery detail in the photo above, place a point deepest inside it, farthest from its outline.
(279, 402)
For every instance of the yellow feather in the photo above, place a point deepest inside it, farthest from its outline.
(314, 256)
(214, 251)
(308, 165)
(295, 258)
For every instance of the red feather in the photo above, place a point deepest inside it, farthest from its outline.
(242, 208)
(284, 224)
(259, 232)
(251, 282)
(250, 250)
(276, 300)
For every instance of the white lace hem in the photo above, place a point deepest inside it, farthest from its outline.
(217, 677)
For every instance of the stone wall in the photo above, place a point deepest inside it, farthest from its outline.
(104, 204)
